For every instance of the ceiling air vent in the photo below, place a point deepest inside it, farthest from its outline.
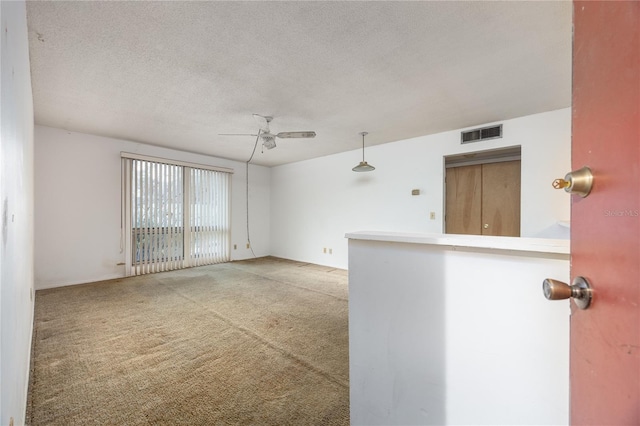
(482, 134)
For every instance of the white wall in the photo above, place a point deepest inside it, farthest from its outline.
(447, 335)
(315, 202)
(77, 202)
(16, 201)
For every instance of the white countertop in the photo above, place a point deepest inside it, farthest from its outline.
(539, 245)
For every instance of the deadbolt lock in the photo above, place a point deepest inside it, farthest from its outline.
(576, 182)
(579, 290)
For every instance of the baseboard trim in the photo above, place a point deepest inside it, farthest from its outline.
(48, 285)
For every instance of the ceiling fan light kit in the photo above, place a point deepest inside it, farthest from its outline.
(268, 140)
(363, 166)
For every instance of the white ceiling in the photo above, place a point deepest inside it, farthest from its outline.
(177, 74)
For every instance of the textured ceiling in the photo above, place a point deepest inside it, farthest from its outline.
(177, 74)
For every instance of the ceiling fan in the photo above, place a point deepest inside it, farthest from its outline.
(269, 139)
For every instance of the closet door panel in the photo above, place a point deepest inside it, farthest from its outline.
(464, 200)
(501, 199)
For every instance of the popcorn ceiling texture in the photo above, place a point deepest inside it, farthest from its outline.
(263, 341)
(177, 74)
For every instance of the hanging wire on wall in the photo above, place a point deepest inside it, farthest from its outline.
(247, 191)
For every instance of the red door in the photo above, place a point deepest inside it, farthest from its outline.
(605, 226)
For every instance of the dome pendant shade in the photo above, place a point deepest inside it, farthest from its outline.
(363, 166)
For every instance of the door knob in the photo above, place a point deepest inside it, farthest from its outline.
(576, 182)
(579, 290)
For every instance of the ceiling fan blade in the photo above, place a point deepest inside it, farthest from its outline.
(235, 134)
(286, 135)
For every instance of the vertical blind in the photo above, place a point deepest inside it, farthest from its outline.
(175, 216)
(208, 216)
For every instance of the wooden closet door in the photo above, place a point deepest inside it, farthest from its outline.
(463, 207)
(483, 199)
(501, 199)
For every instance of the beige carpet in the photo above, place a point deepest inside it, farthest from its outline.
(261, 342)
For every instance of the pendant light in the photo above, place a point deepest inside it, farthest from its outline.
(363, 166)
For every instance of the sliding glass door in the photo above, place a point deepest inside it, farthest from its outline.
(174, 216)
(208, 212)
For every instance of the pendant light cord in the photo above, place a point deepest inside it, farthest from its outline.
(247, 190)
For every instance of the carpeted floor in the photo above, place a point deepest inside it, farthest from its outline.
(260, 342)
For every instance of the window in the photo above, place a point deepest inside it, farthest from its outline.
(175, 215)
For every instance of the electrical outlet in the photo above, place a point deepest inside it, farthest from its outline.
(432, 215)
(330, 251)
(248, 245)
(235, 247)
(324, 250)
